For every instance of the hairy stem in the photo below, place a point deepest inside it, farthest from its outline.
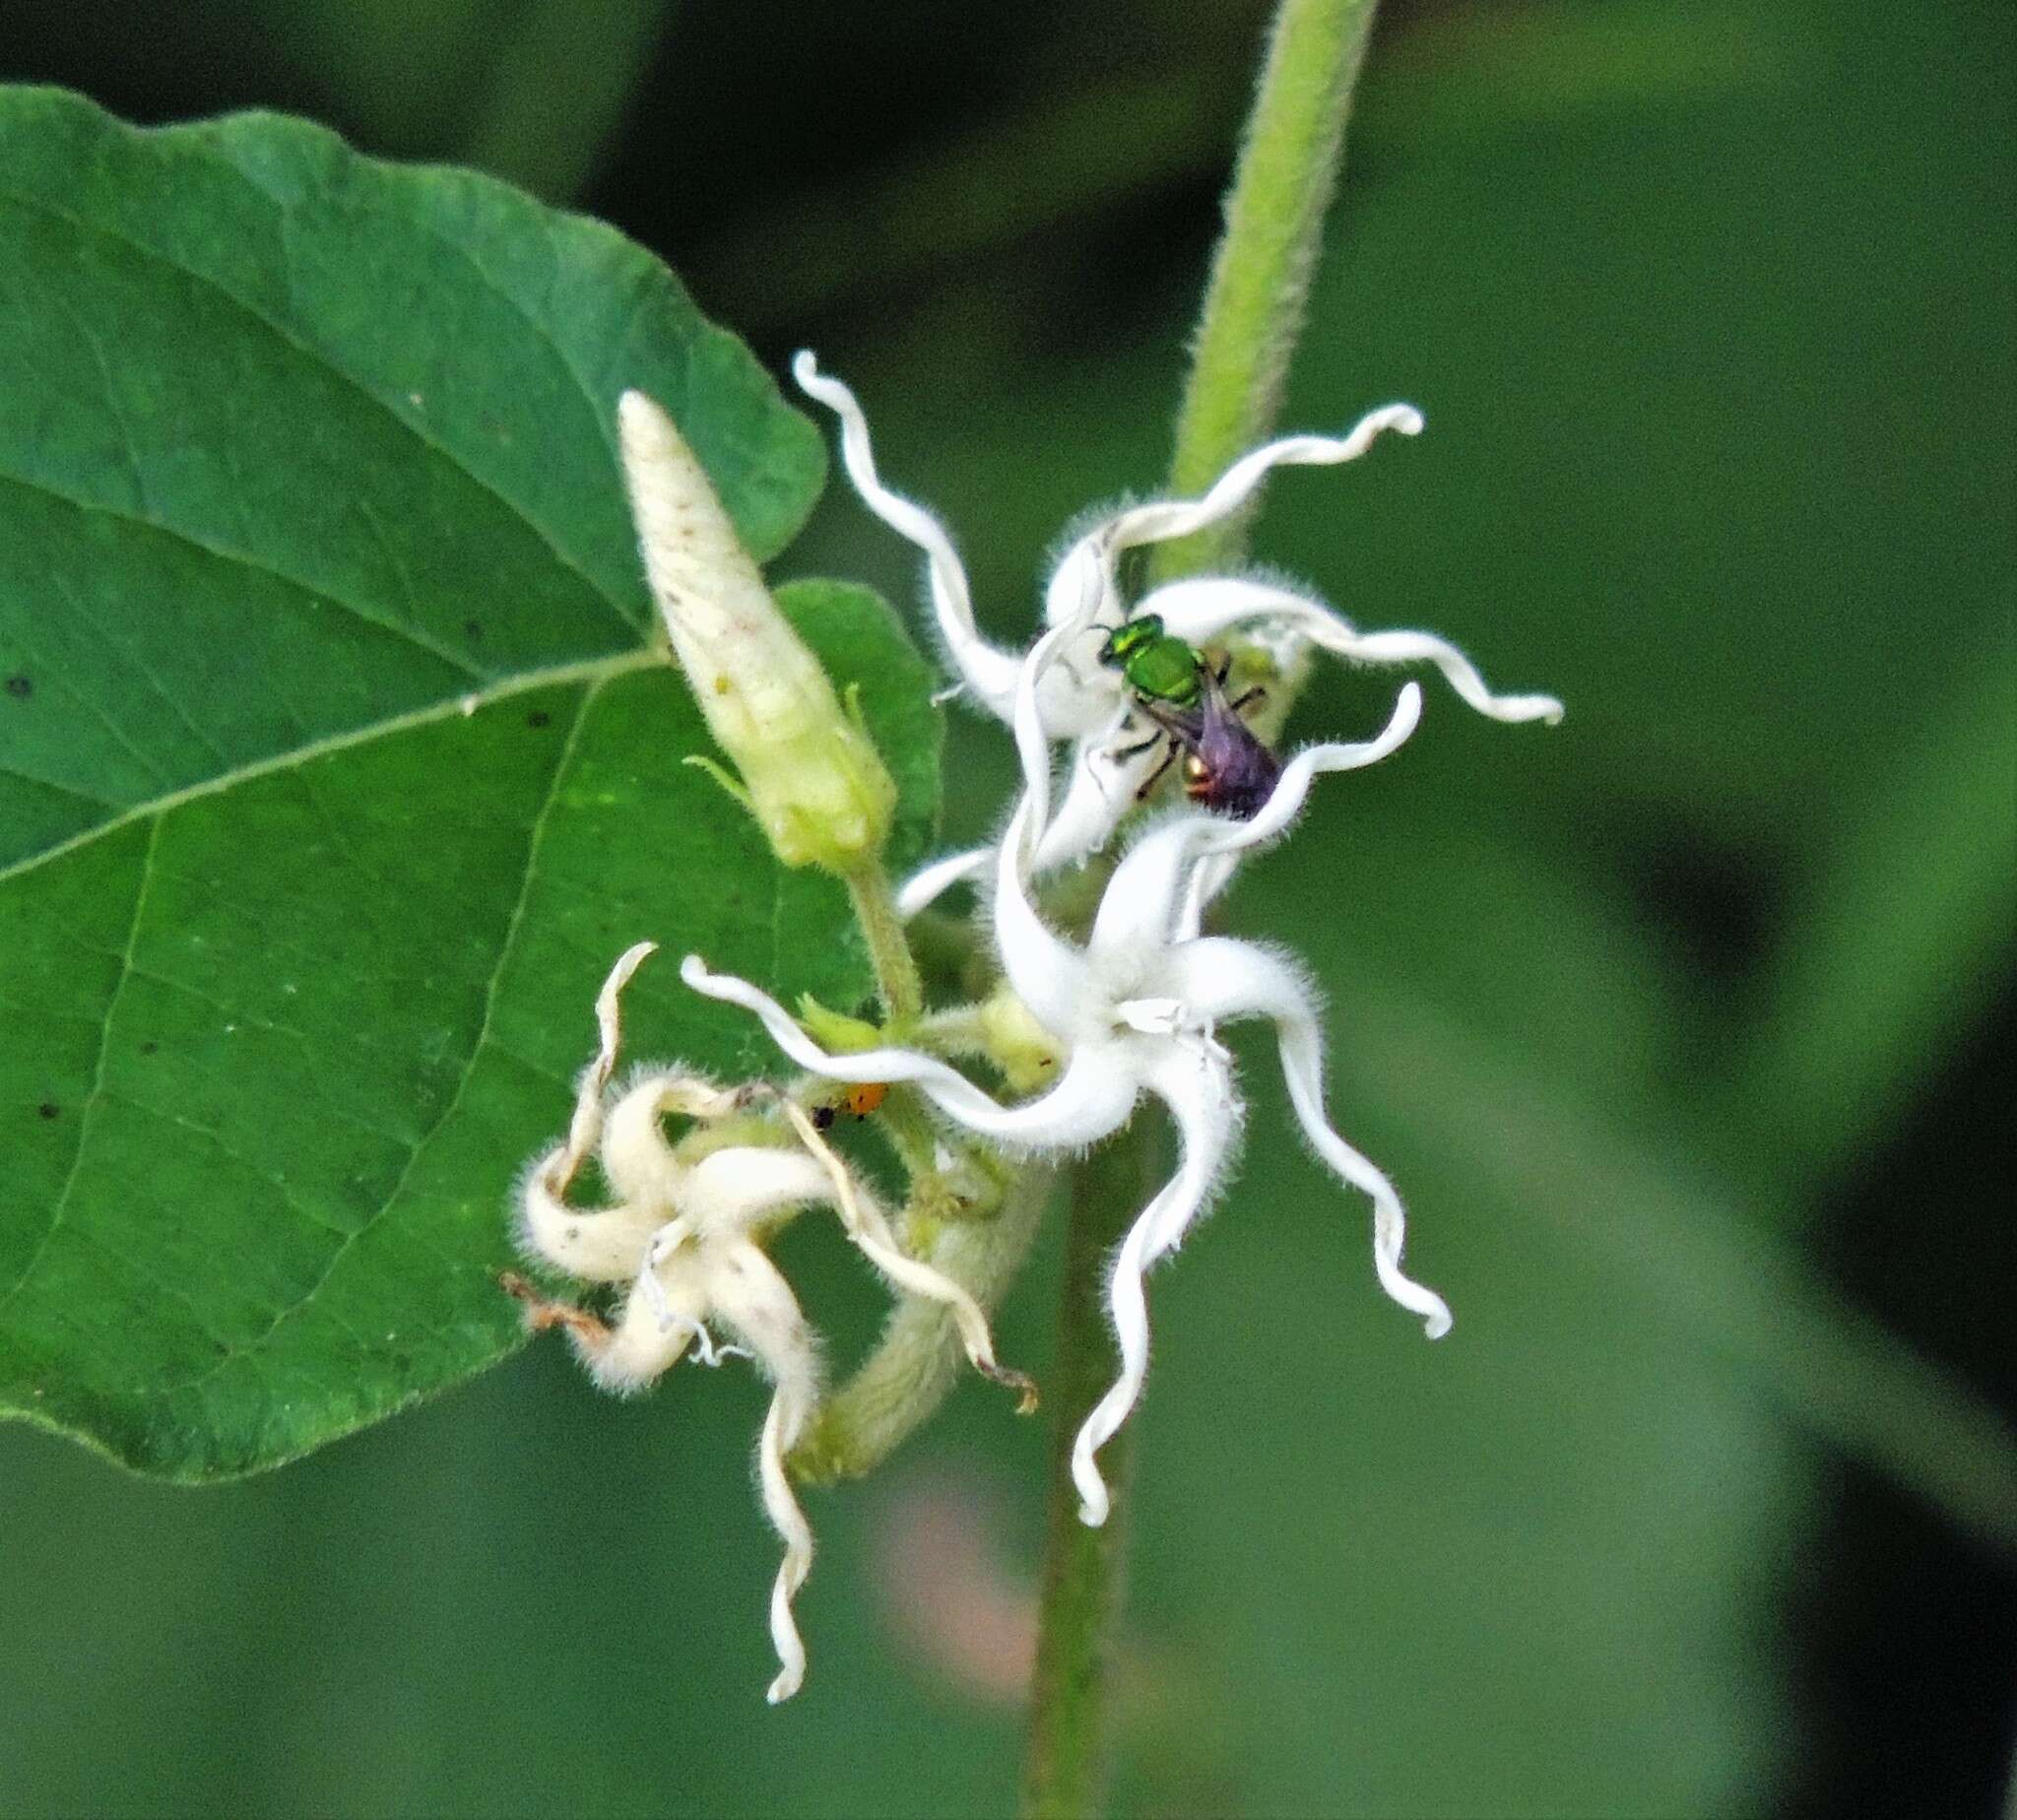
(918, 1360)
(897, 984)
(1259, 286)
(1064, 1766)
(1254, 307)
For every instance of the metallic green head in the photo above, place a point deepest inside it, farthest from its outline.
(1154, 662)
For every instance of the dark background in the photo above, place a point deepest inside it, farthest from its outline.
(1687, 1028)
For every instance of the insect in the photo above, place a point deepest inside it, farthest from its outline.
(1226, 766)
(1156, 664)
(861, 1098)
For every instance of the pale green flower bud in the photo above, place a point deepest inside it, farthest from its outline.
(809, 773)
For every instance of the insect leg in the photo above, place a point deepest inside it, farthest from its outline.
(1156, 776)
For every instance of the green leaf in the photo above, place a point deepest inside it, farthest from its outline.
(337, 759)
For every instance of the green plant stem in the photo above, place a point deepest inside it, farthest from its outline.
(1260, 286)
(1254, 308)
(919, 1360)
(1064, 1766)
(897, 984)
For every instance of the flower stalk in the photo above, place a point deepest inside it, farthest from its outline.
(1253, 311)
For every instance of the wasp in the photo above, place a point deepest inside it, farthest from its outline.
(1227, 767)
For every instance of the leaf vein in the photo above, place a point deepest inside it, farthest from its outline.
(505, 947)
(96, 1091)
(259, 565)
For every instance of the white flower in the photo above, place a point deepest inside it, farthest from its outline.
(688, 1237)
(1136, 1010)
(1090, 703)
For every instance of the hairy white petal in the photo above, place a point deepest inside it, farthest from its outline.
(1100, 792)
(1138, 909)
(754, 1302)
(869, 1064)
(1195, 1081)
(636, 1159)
(1092, 1098)
(783, 1424)
(1082, 589)
(1409, 647)
(930, 881)
(602, 1245)
(1172, 518)
(1303, 768)
(1227, 979)
(1047, 973)
(1205, 1131)
(1152, 899)
(664, 1307)
(1202, 607)
(990, 673)
(1209, 879)
(728, 1191)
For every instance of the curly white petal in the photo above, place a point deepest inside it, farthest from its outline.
(1206, 1130)
(784, 1422)
(1099, 791)
(636, 1159)
(989, 672)
(730, 1190)
(1091, 1101)
(1048, 974)
(601, 1244)
(664, 1307)
(929, 883)
(867, 1065)
(585, 1128)
(751, 1298)
(1202, 607)
(1172, 518)
(1224, 978)
(1149, 900)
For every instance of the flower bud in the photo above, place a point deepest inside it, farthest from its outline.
(809, 775)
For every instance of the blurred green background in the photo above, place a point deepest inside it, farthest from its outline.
(1687, 1027)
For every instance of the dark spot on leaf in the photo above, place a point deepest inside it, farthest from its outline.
(147, 1048)
(473, 627)
(539, 717)
(48, 1109)
(20, 688)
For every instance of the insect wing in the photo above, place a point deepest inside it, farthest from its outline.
(1232, 772)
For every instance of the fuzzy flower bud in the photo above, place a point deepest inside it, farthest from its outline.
(809, 773)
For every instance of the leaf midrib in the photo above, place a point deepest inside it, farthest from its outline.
(594, 670)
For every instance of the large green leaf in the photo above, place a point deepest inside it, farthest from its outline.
(336, 761)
